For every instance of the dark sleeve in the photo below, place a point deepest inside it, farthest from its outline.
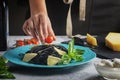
(23, 2)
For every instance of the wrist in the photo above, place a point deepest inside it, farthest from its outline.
(37, 6)
(39, 14)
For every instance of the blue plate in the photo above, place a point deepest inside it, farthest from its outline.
(13, 56)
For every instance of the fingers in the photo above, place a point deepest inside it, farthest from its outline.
(39, 27)
(35, 26)
(51, 32)
(32, 29)
(42, 28)
(26, 29)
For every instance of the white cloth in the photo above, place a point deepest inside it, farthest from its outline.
(82, 13)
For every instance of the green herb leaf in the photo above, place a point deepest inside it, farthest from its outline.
(73, 54)
(79, 51)
(78, 58)
(66, 59)
(71, 48)
(4, 73)
(7, 75)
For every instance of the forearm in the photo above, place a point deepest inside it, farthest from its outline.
(37, 6)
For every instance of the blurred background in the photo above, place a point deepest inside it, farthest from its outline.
(102, 16)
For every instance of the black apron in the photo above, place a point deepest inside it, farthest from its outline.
(102, 16)
(105, 16)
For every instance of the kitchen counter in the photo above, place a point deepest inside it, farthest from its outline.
(83, 72)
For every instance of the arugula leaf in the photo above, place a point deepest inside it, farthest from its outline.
(78, 58)
(4, 73)
(7, 75)
(79, 51)
(65, 59)
(73, 54)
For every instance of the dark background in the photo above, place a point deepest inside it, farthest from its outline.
(102, 16)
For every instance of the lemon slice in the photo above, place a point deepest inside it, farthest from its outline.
(61, 52)
(51, 60)
(27, 57)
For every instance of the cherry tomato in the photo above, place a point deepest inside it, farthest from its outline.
(29, 42)
(49, 39)
(20, 43)
(34, 41)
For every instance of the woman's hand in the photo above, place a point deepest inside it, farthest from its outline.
(39, 26)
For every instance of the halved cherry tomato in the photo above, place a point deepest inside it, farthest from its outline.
(49, 39)
(34, 41)
(20, 43)
(29, 42)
